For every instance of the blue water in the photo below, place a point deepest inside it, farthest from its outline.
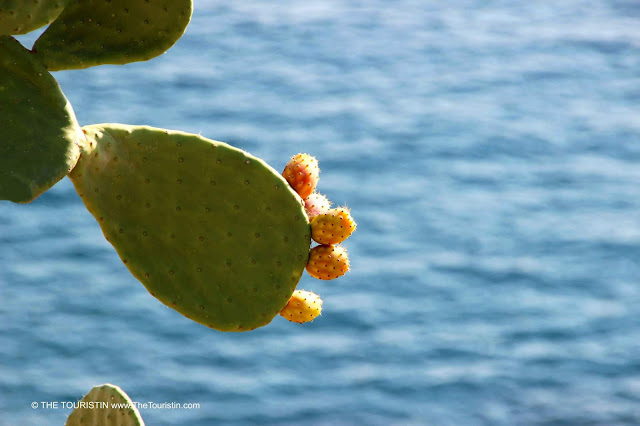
(490, 152)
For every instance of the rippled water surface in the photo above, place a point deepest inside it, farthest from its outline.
(490, 152)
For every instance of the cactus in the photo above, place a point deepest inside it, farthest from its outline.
(210, 230)
(304, 306)
(302, 173)
(333, 226)
(315, 204)
(40, 135)
(21, 16)
(105, 405)
(327, 262)
(94, 32)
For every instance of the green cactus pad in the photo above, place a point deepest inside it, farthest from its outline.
(210, 230)
(105, 405)
(23, 16)
(95, 32)
(39, 134)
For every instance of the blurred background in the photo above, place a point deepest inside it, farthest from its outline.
(489, 151)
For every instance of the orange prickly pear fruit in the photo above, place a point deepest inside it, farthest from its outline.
(333, 226)
(304, 306)
(327, 262)
(302, 173)
(315, 204)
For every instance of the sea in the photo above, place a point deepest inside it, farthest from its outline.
(490, 154)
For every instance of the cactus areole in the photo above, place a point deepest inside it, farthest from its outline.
(210, 230)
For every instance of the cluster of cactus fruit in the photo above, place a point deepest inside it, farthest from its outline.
(210, 230)
(329, 228)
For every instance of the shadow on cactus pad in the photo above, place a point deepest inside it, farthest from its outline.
(39, 136)
(21, 16)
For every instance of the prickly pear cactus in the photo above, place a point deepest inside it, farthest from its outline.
(304, 306)
(302, 173)
(210, 230)
(316, 204)
(95, 32)
(105, 405)
(39, 134)
(328, 262)
(23, 16)
(332, 226)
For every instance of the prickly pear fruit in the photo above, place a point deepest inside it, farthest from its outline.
(210, 230)
(105, 405)
(302, 173)
(95, 32)
(304, 306)
(327, 262)
(21, 16)
(315, 204)
(39, 134)
(333, 226)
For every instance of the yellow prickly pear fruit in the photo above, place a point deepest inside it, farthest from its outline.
(315, 204)
(333, 226)
(302, 173)
(327, 262)
(304, 306)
